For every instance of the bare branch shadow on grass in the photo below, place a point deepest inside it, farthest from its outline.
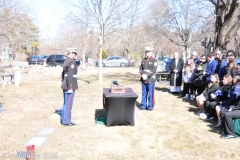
(191, 102)
(88, 79)
(138, 105)
(163, 89)
(214, 130)
(59, 112)
(176, 94)
(193, 110)
(210, 123)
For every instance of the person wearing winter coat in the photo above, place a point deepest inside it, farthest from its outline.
(199, 77)
(201, 99)
(188, 76)
(233, 112)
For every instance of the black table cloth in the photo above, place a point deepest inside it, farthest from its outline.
(120, 107)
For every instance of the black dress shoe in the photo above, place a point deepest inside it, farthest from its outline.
(70, 124)
(209, 118)
(228, 136)
(222, 133)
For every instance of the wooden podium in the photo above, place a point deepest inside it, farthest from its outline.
(117, 88)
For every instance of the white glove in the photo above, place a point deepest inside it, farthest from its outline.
(144, 76)
(70, 91)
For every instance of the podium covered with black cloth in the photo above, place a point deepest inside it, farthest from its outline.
(120, 107)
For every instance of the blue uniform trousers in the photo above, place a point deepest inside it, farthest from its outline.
(66, 117)
(147, 95)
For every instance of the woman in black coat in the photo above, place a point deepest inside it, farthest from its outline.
(200, 79)
(220, 95)
(212, 87)
(233, 112)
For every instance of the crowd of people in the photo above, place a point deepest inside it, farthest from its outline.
(213, 80)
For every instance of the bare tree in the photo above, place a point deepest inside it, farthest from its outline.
(127, 36)
(227, 21)
(101, 15)
(16, 28)
(180, 22)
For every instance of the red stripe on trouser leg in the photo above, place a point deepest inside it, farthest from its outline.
(153, 98)
(69, 108)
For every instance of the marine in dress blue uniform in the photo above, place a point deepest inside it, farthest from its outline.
(147, 71)
(69, 85)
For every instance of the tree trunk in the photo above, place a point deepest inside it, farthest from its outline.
(226, 22)
(101, 38)
(83, 57)
(100, 60)
(237, 44)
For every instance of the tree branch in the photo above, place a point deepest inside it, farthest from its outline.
(224, 2)
(171, 39)
(233, 5)
(213, 2)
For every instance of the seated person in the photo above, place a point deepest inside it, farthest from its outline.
(211, 88)
(233, 112)
(220, 95)
(229, 69)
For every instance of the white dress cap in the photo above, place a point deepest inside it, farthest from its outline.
(148, 49)
(72, 50)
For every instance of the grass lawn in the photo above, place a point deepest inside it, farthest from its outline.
(170, 131)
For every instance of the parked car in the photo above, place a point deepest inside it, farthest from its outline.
(162, 67)
(131, 62)
(163, 70)
(34, 60)
(58, 59)
(96, 63)
(44, 59)
(115, 61)
(167, 60)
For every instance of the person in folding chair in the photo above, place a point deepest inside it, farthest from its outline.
(69, 85)
(147, 71)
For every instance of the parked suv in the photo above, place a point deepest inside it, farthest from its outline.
(115, 61)
(58, 59)
(34, 60)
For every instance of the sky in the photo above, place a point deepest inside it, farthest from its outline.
(47, 15)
